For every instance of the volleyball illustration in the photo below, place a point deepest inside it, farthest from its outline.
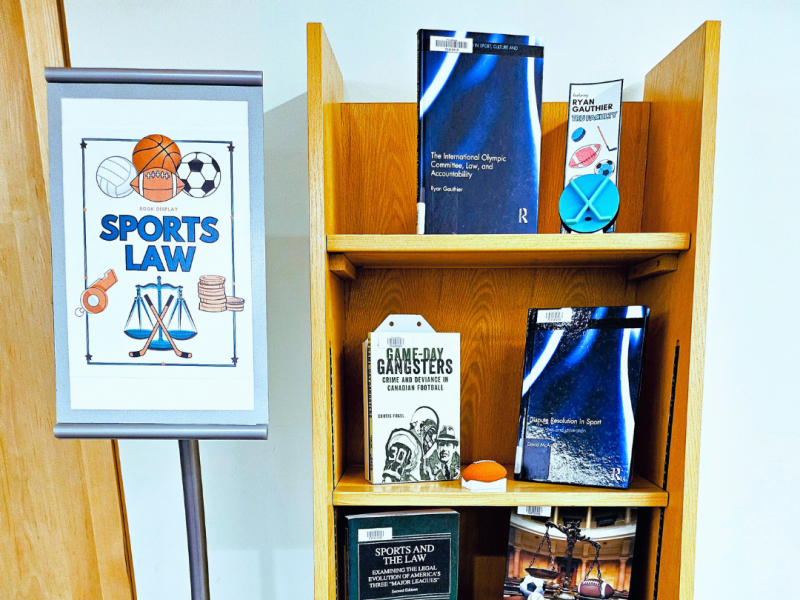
(114, 176)
(156, 152)
(200, 174)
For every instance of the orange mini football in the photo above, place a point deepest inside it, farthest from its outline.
(484, 470)
(157, 185)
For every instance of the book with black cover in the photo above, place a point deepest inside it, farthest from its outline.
(405, 554)
(479, 107)
(580, 391)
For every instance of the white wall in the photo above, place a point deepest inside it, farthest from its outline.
(258, 494)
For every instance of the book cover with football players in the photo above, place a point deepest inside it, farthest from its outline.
(480, 105)
(580, 390)
(405, 554)
(539, 564)
(412, 402)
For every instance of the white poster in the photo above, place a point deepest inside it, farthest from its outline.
(157, 254)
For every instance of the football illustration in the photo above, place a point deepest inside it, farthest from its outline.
(199, 174)
(595, 588)
(157, 185)
(604, 167)
(156, 151)
(484, 470)
(584, 156)
(114, 176)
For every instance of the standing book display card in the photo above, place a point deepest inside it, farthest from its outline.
(480, 105)
(157, 217)
(159, 299)
(412, 402)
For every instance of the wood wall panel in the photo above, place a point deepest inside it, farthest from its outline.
(62, 524)
(377, 167)
(489, 308)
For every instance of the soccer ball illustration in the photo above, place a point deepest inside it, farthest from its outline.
(604, 167)
(200, 174)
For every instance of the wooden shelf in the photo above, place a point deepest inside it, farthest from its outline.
(542, 250)
(354, 490)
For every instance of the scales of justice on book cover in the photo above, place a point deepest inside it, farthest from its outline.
(158, 280)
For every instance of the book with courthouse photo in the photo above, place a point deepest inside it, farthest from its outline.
(538, 565)
(580, 391)
(412, 402)
(411, 555)
(479, 130)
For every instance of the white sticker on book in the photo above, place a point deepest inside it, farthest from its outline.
(562, 315)
(534, 511)
(448, 44)
(376, 534)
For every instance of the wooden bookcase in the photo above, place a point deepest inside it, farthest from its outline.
(366, 262)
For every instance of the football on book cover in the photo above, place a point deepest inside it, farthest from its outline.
(539, 564)
(580, 390)
(406, 554)
(412, 404)
(480, 104)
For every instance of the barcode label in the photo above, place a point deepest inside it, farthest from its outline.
(563, 315)
(394, 342)
(378, 534)
(535, 511)
(448, 44)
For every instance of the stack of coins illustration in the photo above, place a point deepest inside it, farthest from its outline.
(211, 289)
(235, 304)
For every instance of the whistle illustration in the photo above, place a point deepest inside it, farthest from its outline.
(94, 299)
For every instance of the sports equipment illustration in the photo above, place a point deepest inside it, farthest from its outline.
(156, 152)
(584, 156)
(114, 176)
(156, 159)
(94, 298)
(604, 167)
(578, 134)
(165, 330)
(200, 174)
(604, 140)
(157, 185)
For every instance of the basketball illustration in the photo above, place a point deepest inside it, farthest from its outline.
(114, 176)
(156, 152)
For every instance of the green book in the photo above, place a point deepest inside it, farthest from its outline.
(409, 554)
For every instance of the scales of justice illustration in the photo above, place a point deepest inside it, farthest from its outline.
(156, 323)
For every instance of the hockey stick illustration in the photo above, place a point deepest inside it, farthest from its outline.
(604, 140)
(180, 353)
(141, 352)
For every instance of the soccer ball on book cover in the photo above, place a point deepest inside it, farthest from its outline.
(200, 174)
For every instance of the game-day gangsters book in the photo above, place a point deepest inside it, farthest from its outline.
(480, 105)
(580, 391)
(411, 555)
(412, 402)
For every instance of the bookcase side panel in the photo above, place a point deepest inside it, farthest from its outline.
(377, 179)
(488, 307)
(324, 94)
(682, 91)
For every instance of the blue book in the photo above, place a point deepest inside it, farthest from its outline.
(580, 390)
(411, 555)
(480, 105)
